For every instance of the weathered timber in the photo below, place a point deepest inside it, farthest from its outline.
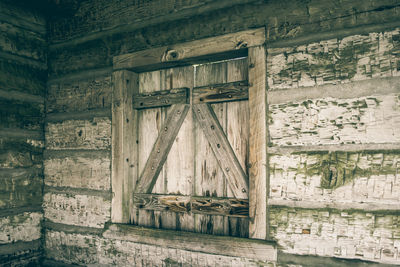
(161, 148)
(209, 178)
(24, 115)
(161, 98)
(223, 151)
(333, 121)
(376, 86)
(226, 92)
(237, 131)
(32, 45)
(258, 180)
(79, 134)
(231, 246)
(93, 92)
(194, 49)
(347, 19)
(78, 169)
(231, 207)
(19, 77)
(20, 227)
(111, 18)
(124, 145)
(20, 187)
(21, 253)
(80, 209)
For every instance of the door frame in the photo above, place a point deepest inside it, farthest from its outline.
(126, 67)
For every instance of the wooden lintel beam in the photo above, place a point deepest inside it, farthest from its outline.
(225, 92)
(185, 51)
(231, 207)
(160, 98)
(222, 149)
(161, 148)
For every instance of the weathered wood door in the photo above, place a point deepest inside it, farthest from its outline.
(193, 148)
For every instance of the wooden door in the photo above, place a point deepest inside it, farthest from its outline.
(193, 155)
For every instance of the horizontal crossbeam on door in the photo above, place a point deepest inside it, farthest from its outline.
(225, 92)
(161, 98)
(231, 207)
(214, 93)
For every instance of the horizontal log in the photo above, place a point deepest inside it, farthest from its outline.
(221, 92)
(22, 42)
(364, 120)
(20, 188)
(23, 78)
(79, 170)
(79, 134)
(79, 209)
(20, 227)
(190, 50)
(231, 207)
(19, 114)
(21, 253)
(223, 245)
(95, 92)
(161, 98)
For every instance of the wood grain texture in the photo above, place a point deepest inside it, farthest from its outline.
(161, 148)
(124, 145)
(161, 98)
(231, 207)
(222, 149)
(185, 51)
(258, 143)
(225, 92)
(209, 178)
(79, 95)
(237, 132)
(179, 167)
(233, 246)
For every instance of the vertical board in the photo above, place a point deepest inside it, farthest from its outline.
(149, 124)
(179, 167)
(238, 136)
(124, 152)
(209, 178)
(258, 143)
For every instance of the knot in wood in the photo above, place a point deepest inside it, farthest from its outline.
(240, 44)
(170, 55)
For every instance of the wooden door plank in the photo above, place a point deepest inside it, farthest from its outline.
(161, 148)
(150, 121)
(226, 92)
(161, 98)
(238, 135)
(258, 143)
(223, 151)
(124, 146)
(209, 178)
(185, 51)
(179, 167)
(231, 207)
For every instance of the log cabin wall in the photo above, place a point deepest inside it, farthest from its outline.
(333, 117)
(23, 74)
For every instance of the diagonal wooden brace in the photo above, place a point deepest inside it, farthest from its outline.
(161, 148)
(222, 149)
